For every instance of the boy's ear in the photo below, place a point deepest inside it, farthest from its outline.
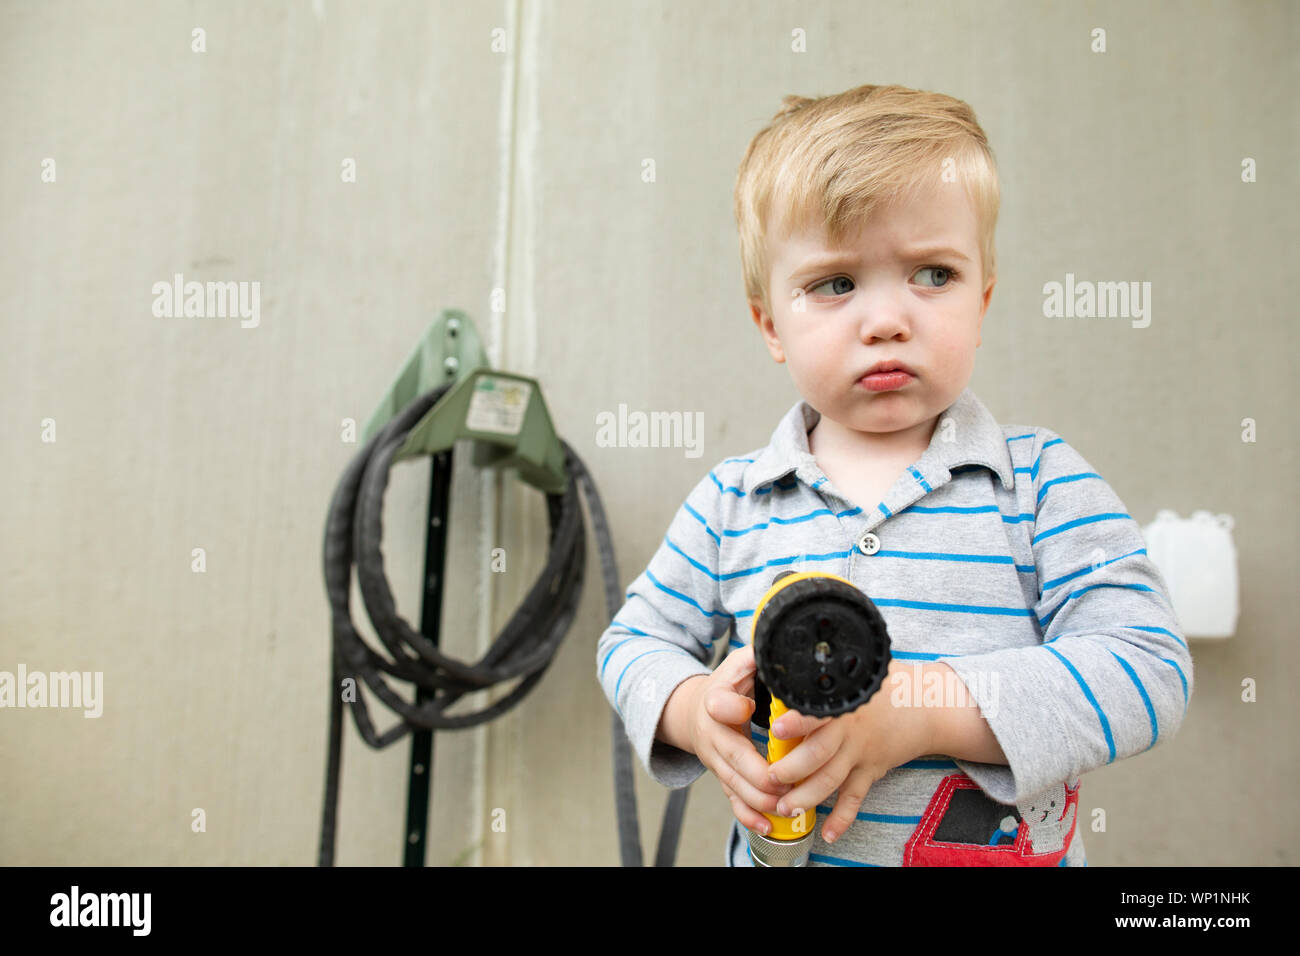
(984, 307)
(767, 328)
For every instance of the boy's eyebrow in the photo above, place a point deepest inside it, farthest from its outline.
(818, 263)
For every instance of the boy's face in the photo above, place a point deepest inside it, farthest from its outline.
(881, 297)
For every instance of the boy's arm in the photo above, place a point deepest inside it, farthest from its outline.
(959, 729)
(665, 633)
(1113, 675)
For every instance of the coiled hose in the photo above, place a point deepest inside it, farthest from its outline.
(524, 648)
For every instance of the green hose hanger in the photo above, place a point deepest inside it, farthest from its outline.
(503, 413)
(446, 391)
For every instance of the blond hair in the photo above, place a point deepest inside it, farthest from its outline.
(835, 158)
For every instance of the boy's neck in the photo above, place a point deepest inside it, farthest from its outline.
(835, 442)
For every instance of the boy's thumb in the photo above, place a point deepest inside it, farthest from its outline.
(729, 708)
(740, 663)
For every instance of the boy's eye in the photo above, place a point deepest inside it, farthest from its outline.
(839, 290)
(948, 274)
(843, 284)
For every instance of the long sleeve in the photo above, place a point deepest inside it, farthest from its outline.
(665, 633)
(1113, 674)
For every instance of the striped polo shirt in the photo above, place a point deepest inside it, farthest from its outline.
(1001, 552)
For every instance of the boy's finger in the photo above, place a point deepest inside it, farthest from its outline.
(739, 664)
(815, 788)
(748, 794)
(852, 792)
(812, 754)
(727, 707)
(792, 725)
(748, 816)
(745, 771)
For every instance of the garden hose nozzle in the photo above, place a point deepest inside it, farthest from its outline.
(821, 648)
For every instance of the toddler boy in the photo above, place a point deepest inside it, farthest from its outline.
(1032, 637)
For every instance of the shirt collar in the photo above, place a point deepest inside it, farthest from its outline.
(974, 437)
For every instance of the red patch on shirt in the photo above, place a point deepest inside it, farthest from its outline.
(955, 830)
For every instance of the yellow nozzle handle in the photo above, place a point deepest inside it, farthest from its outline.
(800, 825)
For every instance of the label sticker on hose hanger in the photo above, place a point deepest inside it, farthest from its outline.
(498, 405)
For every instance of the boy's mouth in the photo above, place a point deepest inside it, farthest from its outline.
(886, 381)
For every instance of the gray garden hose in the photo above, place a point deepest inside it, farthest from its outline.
(525, 647)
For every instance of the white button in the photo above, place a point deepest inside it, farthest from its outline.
(868, 543)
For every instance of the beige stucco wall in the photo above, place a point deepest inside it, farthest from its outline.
(520, 170)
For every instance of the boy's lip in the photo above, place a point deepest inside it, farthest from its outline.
(887, 365)
(887, 375)
(886, 381)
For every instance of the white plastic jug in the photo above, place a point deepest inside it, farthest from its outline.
(1198, 560)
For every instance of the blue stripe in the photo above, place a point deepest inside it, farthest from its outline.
(954, 608)
(774, 562)
(947, 556)
(1045, 621)
(840, 555)
(733, 489)
(672, 544)
(967, 510)
(657, 650)
(1181, 678)
(728, 488)
(1151, 711)
(1048, 585)
(613, 624)
(836, 860)
(1033, 472)
(952, 510)
(1077, 522)
(686, 600)
(877, 817)
(700, 518)
(1087, 692)
(611, 654)
(1064, 478)
(920, 480)
(815, 513)
(1160, 630)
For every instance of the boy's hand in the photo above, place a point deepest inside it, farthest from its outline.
(849, 753)
(719, 725)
